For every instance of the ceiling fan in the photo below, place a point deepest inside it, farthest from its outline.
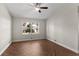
(38, 7)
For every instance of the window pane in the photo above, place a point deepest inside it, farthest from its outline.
(30, 27)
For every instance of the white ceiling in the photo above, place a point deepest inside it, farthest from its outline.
(26, 10)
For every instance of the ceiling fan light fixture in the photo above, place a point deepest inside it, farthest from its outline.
(37, 9)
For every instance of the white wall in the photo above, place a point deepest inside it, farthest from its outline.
(17, 29)
(5, 28)
(63, 27)
(78, 28)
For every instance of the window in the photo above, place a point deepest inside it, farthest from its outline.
(32, 28)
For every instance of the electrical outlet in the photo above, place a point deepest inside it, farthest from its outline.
(31, 37)
(54, 40)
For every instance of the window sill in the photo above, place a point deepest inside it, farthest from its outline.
(29, 33)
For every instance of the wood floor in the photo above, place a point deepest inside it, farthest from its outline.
(37, 48)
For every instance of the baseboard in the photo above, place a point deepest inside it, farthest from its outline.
(3, 49)
(26, 40)
(64, 46)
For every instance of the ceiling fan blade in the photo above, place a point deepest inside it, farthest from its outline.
(43, 7)
(38, 4)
